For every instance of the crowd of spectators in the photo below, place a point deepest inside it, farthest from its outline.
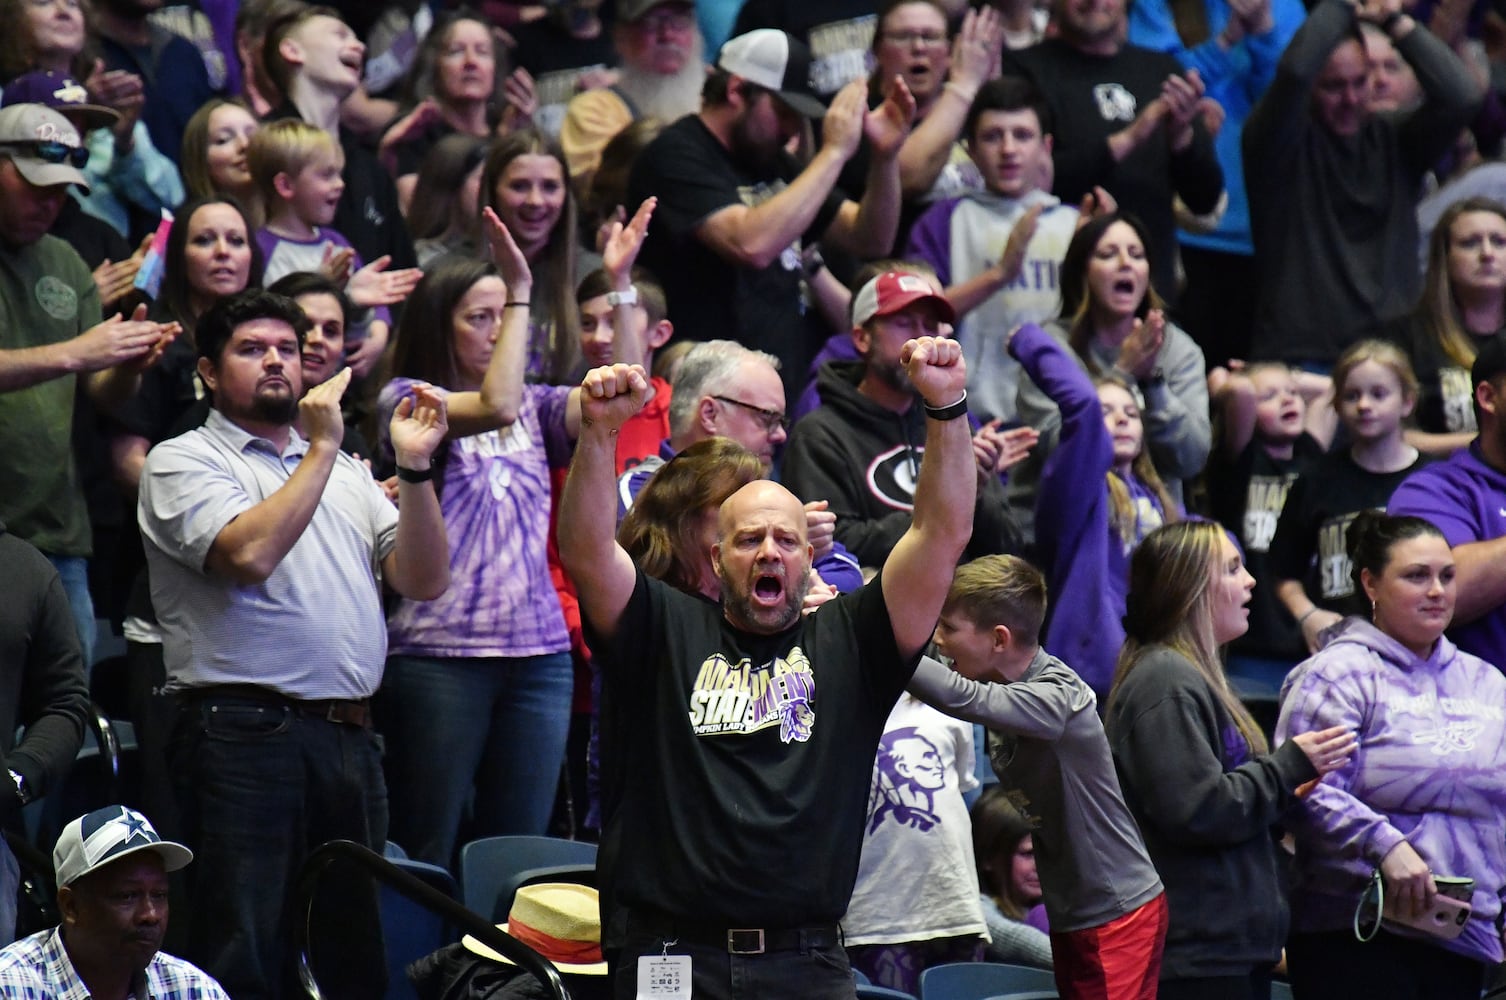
(337, 342)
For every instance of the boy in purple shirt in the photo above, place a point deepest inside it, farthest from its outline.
(1465, 497)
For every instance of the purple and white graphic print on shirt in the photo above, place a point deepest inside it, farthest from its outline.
(908, 774)
(495, 500)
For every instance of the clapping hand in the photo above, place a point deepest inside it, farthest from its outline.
(319, 410)
(1181, 94)
(888, 125)
(419, 425)
(620, 250)
(374, 285)
(505, 253)
(1138, 353)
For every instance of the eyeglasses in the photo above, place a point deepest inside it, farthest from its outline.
(54, 152)
(661, 20)
(928, 39)
(769, 419)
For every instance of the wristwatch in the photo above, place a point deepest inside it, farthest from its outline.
(627, 298)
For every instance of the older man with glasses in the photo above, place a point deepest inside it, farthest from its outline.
(723, 389)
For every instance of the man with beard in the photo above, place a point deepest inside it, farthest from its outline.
(51, 343)
(112, 893)
(253, 532)
(735, 847)
(661, 77)
(736, 210)
(174, 80)
(861, 448)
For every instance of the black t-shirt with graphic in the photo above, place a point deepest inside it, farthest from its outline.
(1445, 393)
(1309, 544)
(838, 32)
(694, 176)
(1246, 496)
(746, 758)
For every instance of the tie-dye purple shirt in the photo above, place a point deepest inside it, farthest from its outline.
(495, 501)
(1430, 769)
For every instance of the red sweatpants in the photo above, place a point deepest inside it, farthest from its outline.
(1119, 960)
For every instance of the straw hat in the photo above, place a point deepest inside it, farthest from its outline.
(559, 920)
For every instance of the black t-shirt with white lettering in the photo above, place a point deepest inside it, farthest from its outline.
(1246, 496)
(1445, 392)
(838, 32)
(1309, 544)
(746, 759)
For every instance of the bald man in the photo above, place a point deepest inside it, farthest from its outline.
(753, 726)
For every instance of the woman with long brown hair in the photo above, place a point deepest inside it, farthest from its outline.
(1197, 771)
(1114, 323)
(1463, 305)
(526, 183)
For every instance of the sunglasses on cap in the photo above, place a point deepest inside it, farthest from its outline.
(53, 152)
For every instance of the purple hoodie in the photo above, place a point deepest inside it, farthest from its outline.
(1086, 562)
(1430, 769)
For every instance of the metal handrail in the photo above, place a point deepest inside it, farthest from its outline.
(425, 895)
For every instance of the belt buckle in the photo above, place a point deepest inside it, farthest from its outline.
(745, 941)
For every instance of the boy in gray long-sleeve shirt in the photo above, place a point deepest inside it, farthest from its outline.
(1046, 743)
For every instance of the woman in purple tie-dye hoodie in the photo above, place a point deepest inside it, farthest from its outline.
(1423, 795)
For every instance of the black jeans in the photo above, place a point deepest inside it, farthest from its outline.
(259, 787)
(794, 974)
(1336, 966)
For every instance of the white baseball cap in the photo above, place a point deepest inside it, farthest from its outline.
(774, 61)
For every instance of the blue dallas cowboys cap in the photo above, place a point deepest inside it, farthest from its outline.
(109, 834)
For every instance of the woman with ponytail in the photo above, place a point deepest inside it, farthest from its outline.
(1196, 770)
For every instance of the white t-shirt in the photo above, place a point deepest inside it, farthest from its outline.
(918, 834)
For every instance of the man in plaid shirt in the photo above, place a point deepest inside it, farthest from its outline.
(112, 892)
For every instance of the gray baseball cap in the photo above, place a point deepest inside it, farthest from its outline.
(43, 144)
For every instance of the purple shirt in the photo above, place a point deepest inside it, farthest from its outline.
(1466, 499)
(494, 496)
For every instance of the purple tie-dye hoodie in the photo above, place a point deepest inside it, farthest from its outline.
(1430, 769)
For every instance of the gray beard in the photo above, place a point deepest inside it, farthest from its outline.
(667, 98)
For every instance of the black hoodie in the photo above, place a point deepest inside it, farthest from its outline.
(864, 461)
(42, 686)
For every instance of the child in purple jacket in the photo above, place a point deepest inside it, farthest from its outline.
(1086, 534)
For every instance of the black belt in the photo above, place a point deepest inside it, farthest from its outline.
(342, 711)
(736, 940)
